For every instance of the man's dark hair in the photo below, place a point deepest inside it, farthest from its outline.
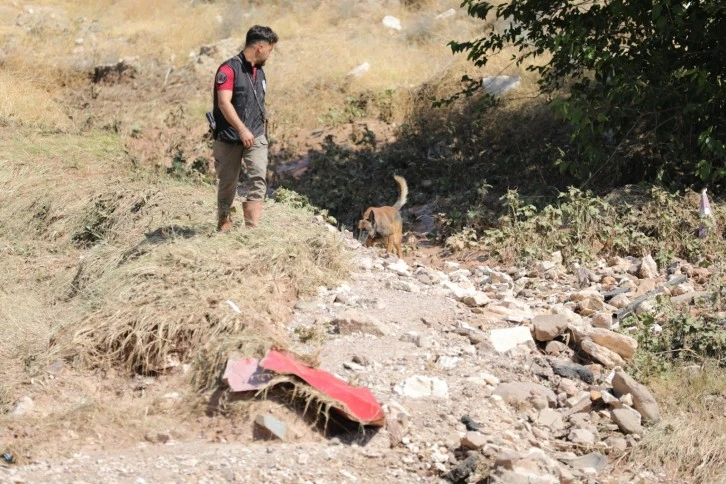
(260, 33)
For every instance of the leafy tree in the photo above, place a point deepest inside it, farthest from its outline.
(641, 82)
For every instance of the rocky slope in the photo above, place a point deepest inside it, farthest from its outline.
(508, 374)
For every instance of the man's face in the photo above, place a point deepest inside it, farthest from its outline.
(263, 51)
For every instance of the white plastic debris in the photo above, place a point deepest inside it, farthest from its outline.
(704, 210)
(234, 307)
(498, 85)
(359, 71)
(391, 22)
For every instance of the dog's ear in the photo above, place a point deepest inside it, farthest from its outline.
(369, 215)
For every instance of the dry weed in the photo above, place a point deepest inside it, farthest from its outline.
(154, 281)
(29, 103)
(690, 439)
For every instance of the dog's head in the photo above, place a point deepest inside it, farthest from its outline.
(366, 226)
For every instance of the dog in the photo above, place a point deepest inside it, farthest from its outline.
(383, 224)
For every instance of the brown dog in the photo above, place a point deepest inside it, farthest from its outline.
(383, 224)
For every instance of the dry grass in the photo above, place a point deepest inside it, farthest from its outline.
(690, 440)
(136, 265)
(320, 43)
(29, 104)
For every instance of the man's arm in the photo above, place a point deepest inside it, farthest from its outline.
(224, 101)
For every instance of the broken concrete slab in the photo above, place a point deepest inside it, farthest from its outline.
(268, 427)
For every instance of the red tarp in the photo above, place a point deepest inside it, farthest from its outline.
(358, 404)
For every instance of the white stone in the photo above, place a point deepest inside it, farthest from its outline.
(399, 267)
(648, 269)
(25, 406)
(450, 266)
(447, 362)
(459, 291)
(512, 315)
(406, 286)
(460, 275)
(423, 387)
(506, 339)
(476, 300)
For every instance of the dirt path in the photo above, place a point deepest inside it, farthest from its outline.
(399, 331)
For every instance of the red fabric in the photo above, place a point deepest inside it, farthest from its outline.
(228, 83)
(358, 404)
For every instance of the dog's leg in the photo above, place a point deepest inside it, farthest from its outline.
(389, 244)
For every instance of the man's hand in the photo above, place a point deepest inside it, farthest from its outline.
(224, 100)
(247, 138)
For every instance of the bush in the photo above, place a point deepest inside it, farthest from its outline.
(644, 80)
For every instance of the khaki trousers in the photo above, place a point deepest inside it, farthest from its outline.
(228, 160)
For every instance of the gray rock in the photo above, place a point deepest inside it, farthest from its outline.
(402, 285)
(498, 85)
(617, 443)
(550, 418)
(549, 326)
(627, 419)
(593, 460)
(581, 436)
(476, 299)
(350, 322)
(643, 400)
(648, 269)
(474, 440)
(604, 355)
(555, 348)
(520, 392)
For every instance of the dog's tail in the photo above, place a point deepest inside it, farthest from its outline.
(403, 189)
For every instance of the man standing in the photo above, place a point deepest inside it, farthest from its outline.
(240, 135)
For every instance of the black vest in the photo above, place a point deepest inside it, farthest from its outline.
(245, 104)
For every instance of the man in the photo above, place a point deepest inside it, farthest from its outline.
(240, 135)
